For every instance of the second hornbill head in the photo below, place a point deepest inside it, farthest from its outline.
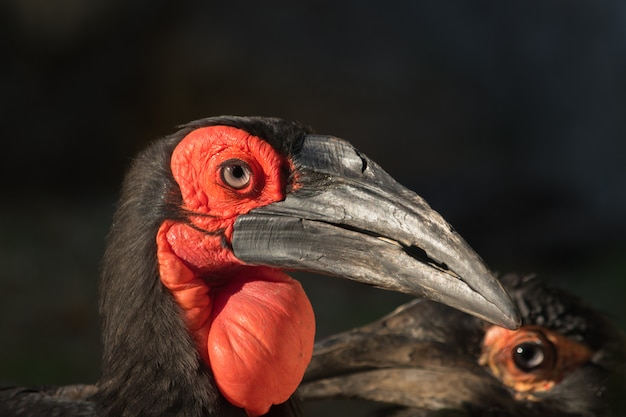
(426, 360)
(193, 293)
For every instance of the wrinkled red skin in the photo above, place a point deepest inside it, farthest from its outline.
(253, 326)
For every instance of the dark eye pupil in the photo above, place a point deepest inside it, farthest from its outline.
(236, 174)
(528, 356)
(237, 171)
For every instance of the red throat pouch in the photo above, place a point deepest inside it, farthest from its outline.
(261, 339)
(255, 331)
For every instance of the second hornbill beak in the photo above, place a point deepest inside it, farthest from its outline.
(345, 216)
(422, 355)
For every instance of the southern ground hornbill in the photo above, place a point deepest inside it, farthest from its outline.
(199, 319)
(426, 360)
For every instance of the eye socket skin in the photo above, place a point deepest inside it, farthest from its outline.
(531, 359)
(236, 173)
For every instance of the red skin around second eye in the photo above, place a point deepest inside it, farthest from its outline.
(498, 347)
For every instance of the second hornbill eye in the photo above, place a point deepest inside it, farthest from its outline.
(532, 358)
(236, 173)
(529, 356)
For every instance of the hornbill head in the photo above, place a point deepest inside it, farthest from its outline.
(425, 359)
(193, 295)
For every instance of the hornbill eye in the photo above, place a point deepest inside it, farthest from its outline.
(531, 359)
(236, 173)
(529, 356)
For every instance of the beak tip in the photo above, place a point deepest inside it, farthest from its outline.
(512, 321)
(509, 316)
(493, 304)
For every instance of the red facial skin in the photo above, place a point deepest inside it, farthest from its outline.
(560, 357)
(254, 326)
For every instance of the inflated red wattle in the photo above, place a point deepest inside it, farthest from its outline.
(255, 330)
(260, 340)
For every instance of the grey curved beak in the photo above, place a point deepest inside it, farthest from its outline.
(346, 217)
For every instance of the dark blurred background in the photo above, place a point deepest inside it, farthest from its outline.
(508, 117)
